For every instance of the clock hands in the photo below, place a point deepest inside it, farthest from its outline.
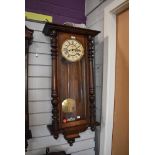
(72, 50)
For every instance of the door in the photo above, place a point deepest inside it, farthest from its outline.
(120, 141)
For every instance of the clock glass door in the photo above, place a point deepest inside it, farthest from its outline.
(72, 78)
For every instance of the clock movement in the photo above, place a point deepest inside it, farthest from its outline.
(73, 91)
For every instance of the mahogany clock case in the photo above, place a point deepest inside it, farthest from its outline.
(72, 81)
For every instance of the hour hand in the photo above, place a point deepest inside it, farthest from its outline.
(77, 50)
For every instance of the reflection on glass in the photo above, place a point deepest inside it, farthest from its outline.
(69, 110)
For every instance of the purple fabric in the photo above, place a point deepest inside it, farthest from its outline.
(61, 10)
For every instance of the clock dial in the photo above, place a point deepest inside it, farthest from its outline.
(72, 50)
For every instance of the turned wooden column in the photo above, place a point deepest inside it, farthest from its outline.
(91, 82)
(54, 95)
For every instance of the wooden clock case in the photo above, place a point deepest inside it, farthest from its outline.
(79, 76)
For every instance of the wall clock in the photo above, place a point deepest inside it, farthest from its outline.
(73, 93)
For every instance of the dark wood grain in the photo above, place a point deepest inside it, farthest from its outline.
(76, 78)
(69, 29)
(73, 80)
(91, 82)
(55, 103)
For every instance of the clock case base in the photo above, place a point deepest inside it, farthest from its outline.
(71, 133)
(73, 129)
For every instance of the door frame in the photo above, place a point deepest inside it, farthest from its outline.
(109, 61)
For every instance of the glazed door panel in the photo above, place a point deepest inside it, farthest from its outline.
(72, 94)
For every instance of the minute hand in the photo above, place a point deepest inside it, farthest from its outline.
(77, 50)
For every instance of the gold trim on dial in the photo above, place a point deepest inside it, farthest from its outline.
(72, 50)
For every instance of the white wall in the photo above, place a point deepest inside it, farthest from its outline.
(94, 11)
(39, 77)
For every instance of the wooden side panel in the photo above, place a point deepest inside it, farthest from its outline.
(120, 143)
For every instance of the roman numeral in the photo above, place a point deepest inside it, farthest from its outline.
(68, 42)
(65, 49)
(78, 46)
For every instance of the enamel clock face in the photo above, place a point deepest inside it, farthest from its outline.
(72, 50)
